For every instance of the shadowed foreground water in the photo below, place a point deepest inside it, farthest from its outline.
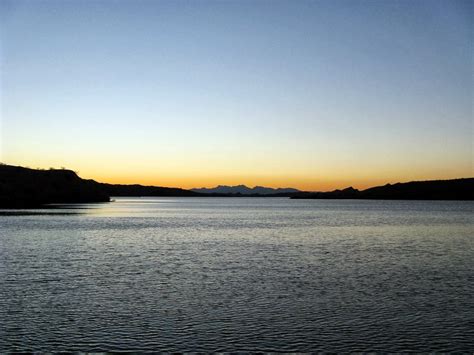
(215, 274)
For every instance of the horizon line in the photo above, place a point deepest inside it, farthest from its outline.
(250, 186)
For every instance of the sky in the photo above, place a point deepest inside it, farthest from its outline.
(315, 95)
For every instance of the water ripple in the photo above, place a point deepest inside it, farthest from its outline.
(239, 275)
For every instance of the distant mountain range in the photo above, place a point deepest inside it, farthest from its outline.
(244, 190)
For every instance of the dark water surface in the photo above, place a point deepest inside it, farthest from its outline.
(249, 274)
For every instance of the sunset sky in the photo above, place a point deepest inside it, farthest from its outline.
(315, 95)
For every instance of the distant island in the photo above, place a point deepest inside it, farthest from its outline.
(29, 188)
(244, 190)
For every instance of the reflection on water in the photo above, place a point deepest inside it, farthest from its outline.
(214, 274)
(53, 210)
(37, 213)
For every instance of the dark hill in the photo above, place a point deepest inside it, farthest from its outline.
(26, 188)
(23, 187)
(457, 189)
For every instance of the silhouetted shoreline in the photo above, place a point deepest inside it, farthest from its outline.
(31, 188)
(456, 189)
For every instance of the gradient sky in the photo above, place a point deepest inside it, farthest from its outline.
(309, 94)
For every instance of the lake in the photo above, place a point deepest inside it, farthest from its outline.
(238, 274)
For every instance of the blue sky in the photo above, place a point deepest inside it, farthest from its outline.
(314, 94)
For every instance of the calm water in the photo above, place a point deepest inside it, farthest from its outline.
(238, 274)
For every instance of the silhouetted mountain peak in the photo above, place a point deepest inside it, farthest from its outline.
(349, 189)
(244, 190)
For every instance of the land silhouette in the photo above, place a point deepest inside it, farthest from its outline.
(456, 189)
(24, 188)
(29, 188)
(140, 190)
